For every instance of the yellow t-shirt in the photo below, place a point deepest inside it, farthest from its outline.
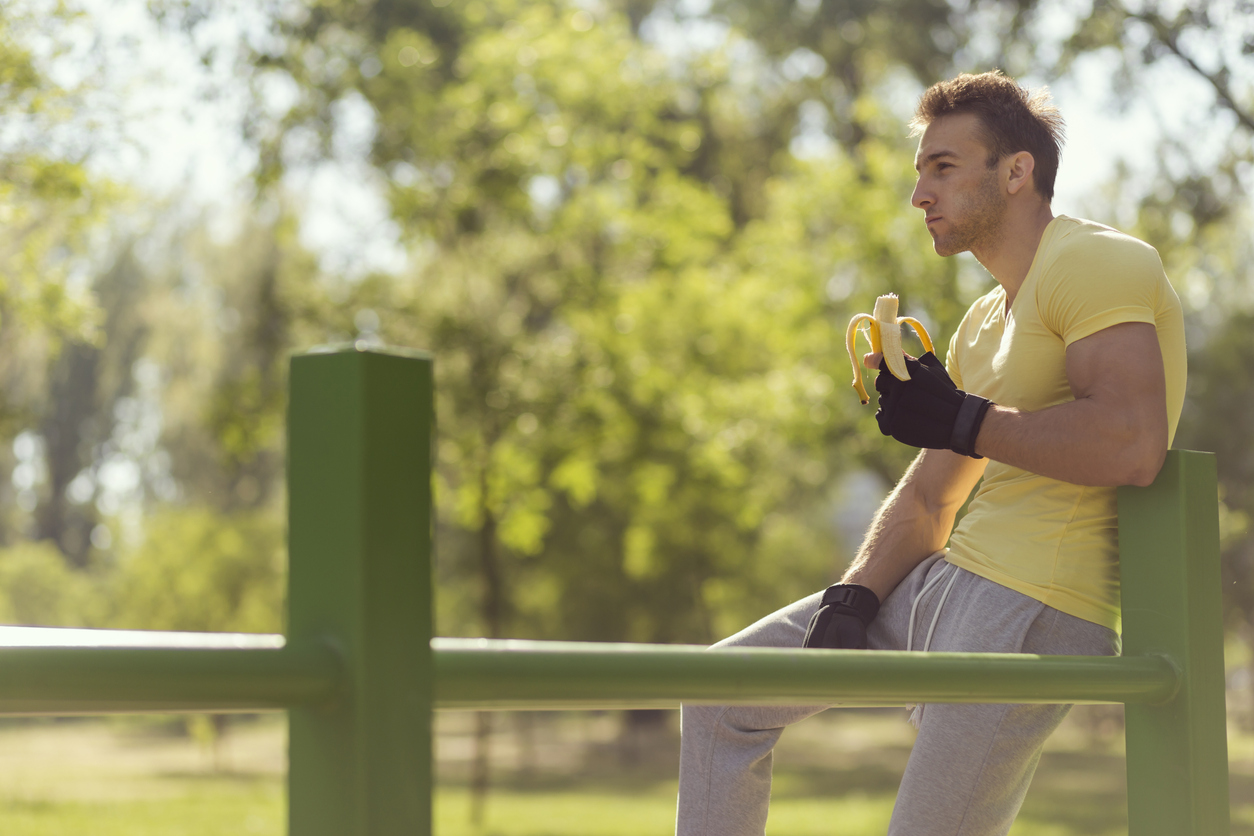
(1054, 541)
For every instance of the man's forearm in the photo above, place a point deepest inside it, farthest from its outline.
(1085, 442)
(914, 521)
(1115, 430)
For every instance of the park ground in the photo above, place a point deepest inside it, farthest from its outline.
(553, 774)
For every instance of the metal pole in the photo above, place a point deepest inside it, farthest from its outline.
(476, 673)
(111, 680)
(1177, 752)
(359, 488)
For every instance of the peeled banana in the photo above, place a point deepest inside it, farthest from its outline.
(884, 331)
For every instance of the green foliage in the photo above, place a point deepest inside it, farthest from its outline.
(50, 207)
(224, 316)
(38, 588)
(634, 265)
(203, 571)
(48, 202)
(636, 296)
(637, 392)
(195, 570)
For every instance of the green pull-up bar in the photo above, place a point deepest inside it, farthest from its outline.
(360, 673)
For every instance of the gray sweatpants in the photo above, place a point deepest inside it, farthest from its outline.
(971, 764)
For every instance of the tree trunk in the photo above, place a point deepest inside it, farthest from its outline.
(491, 612)
(479, 769)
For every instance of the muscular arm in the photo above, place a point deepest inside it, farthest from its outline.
(915, 520)
(1113, 433)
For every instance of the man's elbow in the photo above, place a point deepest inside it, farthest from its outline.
(1139, 446)
(1142, 465)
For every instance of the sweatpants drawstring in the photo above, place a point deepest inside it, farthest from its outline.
(916, 713)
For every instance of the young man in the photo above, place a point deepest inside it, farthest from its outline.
(1064, 381)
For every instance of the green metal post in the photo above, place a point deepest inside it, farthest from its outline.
(359, 482)
(1177, 751)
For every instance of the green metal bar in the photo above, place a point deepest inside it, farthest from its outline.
(359, 488)
(110, 680)
(473, 673)
(1177, 753)
(14, 636)
(510, 675)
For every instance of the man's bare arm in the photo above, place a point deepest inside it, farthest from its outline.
(1113, 433)
(915, 520)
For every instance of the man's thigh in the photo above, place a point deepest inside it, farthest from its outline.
(971, 764)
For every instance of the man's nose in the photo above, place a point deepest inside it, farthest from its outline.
(922, 198)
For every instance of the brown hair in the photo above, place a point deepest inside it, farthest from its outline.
(1011, 118)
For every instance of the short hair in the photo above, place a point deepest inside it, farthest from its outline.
(1012, 119)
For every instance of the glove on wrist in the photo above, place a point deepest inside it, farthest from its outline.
(928, 410)
(842, 618)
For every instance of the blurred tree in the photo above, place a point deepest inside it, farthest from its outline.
(840, 55)
(165, 437)
(50, 206)
(1211, 39)
(38, 587)
(602, 350)
(569, 231)
(200, 570)
(90, 381)
(232, 307)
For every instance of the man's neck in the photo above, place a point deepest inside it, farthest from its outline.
(1010, 256)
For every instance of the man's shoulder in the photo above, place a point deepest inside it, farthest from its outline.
(1089, 242)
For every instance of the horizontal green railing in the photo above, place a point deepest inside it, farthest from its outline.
(178, 674)
(513, 675)
(360, 674)
(52, 671)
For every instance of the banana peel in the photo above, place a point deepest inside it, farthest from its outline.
(884, 332)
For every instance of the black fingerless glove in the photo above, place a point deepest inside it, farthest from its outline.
(928, 410)
(842, 618)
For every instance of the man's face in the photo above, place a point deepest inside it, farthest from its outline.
(961, 197)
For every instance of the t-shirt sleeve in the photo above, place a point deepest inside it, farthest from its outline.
(951, 355)
(1101, 281)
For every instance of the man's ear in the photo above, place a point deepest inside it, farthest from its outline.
(1019, 168)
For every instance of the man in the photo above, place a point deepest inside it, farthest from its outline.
(1064, 381)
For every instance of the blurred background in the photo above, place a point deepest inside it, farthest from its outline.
(631, 232)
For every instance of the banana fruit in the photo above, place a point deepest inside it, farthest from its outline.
(884, 332)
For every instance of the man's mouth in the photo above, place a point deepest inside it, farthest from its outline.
(930, 219)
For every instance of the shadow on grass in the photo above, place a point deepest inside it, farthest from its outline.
(225, 776)
(872, 777)
(24, 805)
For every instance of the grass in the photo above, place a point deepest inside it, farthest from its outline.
(133, 777)
(835, 773)
(216, 809)
(553, 775)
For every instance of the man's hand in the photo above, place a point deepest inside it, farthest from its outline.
(928, 410)
(842, 618)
